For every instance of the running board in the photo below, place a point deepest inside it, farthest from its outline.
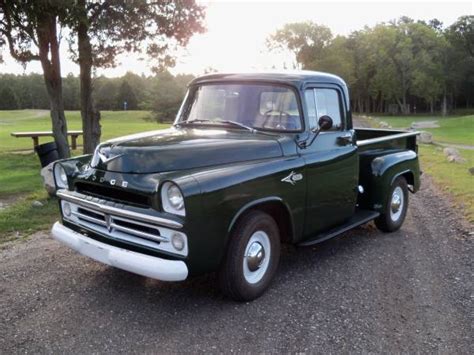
(360, 217)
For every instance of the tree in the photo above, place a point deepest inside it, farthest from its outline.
(8, 99)
(28, 24)
(168, 94)
(306, 40)
(126, 94)
(101, 30)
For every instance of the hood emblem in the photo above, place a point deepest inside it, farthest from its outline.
(105, 159)
(292, 178)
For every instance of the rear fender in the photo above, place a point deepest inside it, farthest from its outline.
(377, 177)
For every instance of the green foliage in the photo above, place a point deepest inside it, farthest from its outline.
(404, 63)
(126, 97)
(8, 99)
(168, 92)
(305, 39)
(141, 92)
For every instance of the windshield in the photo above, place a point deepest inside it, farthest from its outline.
(268, 107)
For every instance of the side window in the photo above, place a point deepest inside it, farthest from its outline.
(327, 103)
(311, 108)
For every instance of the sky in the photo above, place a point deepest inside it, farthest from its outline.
(237, 30)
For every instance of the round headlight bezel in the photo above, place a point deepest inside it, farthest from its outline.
(60, 177)
(172, 199)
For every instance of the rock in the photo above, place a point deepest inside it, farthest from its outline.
(450, 151)
(48, 179)
(425, 124)
(453, 156)
(471, 170)
(383, 124)
(37, 204)
(425, 138)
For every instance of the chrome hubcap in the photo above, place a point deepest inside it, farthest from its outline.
(257, 257)
(396, 204)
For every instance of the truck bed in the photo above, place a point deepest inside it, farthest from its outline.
(373, 139)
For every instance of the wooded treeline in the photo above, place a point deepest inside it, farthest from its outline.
(162, 93)
(402, 66)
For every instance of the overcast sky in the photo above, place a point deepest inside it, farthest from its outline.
(235, 40)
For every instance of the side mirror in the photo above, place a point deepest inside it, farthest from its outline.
(325, 123)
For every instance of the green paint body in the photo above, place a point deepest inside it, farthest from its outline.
(224, 172)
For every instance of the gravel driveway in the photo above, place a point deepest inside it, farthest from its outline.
(365, 291)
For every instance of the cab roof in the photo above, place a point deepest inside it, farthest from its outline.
(296, 78)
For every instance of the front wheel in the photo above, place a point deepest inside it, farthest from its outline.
(395, 208)
(252, 257)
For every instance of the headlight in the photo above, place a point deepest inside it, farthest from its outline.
(60, 176)
(172, 199)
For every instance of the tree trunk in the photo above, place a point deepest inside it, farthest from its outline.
(90, 115)
(444, 106)
(49, 57)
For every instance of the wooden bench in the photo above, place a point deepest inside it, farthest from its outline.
(35, 136)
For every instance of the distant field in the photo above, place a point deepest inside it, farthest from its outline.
(114, 124)
(455, 129)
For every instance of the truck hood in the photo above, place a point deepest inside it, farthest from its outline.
(183, 148)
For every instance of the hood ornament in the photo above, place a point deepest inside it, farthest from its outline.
(105, 159)
(104, 156)
(293, 178)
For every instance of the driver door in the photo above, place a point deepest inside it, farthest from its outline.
(332, 164)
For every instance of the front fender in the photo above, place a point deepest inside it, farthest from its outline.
(73, 166)
(227, 192)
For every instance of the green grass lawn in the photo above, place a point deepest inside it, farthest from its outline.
(114, 124)
(451, 177)
(20, 185)
(20, 180)
(453, 129)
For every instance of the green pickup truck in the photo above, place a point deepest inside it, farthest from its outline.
(252, 161)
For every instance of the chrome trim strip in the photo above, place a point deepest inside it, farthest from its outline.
(89, 218)
(386, 138)
(119, 212)
(139, 233)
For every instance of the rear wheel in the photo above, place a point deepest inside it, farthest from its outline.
(252, 257)
(396, 206)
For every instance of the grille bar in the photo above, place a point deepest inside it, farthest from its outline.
(97, 206)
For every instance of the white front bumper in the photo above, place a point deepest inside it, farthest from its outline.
(141, 264)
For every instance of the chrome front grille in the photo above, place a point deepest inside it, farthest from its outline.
(120, 224)
(115, 223)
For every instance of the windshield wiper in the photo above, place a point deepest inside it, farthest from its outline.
(234, 123)
(238, 124)
(184, 123)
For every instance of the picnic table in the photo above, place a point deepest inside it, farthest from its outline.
(35, 136)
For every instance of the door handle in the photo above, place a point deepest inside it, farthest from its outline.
(345, 139)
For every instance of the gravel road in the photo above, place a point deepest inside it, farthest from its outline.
(365, 291)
